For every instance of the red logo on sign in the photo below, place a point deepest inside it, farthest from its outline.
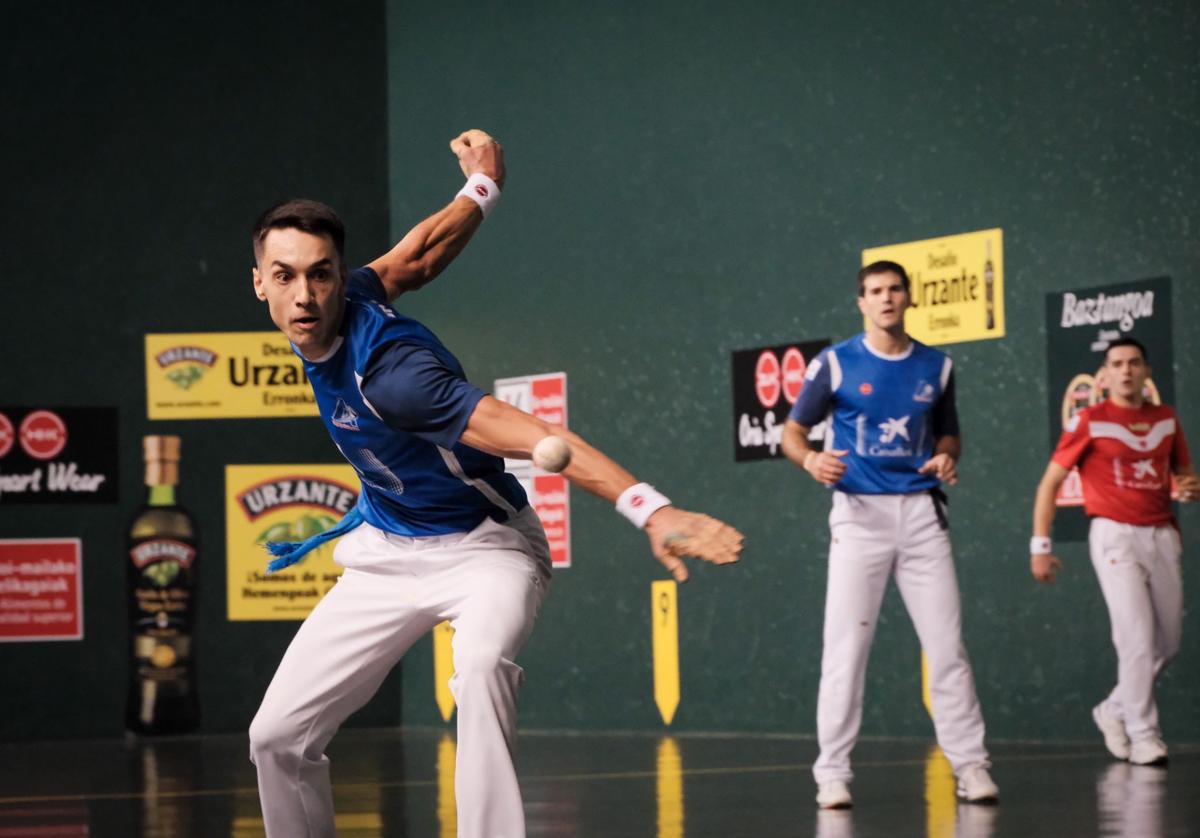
(7, 435)
(793, 374)
(636, 501)
(481, 190)
(865, 388)
(766, 379)
(43, 435)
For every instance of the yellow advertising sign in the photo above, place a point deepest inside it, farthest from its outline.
(225, 375)
(281, 503)
(957, 285)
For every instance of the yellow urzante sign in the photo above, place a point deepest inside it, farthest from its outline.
(224, 375)
(957, 285)
(281, 503)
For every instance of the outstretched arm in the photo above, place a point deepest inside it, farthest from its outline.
(501, 429)
(429, 247)
(1044, 564)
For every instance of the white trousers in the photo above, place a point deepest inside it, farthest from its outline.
(489, 583)
(875, 537)
(1139, 573)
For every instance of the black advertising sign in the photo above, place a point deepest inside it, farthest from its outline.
(1080, 325)
(766, 382)
(58, 455)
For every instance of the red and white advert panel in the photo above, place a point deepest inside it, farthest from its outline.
(545, 396)
(41, 589)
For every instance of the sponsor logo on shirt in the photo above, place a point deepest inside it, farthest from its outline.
(924, 392)
(1139, 427)
(1143, 469)
(891, 430)
(865, 388)
(344, 416)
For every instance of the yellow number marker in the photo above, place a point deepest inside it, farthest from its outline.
(443, 668)
(670, 789)
(941, 805)
(447, 812)
(665, 619)
(925, 696)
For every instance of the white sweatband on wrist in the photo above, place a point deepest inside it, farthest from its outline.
(639, 502)
(1040, 545)
(482, 190)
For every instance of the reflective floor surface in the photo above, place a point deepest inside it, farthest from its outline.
(392, 783)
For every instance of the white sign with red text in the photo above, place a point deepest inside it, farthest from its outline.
(545, 396)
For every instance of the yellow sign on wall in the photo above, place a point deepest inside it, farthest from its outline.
(281, 503)
(957, 285)
(664, 602)
(223, 375)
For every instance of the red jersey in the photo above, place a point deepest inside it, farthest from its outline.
(1126, 458)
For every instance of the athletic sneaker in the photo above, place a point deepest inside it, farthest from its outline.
(834, 795)
(1115, 737)
(1149, 751)
(975, 786)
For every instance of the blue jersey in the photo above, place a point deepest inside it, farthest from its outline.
(396, 402)
(886, 411)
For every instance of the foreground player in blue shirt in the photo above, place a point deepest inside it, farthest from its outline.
(893, 438)
(440, 531)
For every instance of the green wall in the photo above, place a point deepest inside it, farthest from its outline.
(687, 179)
(140, 144)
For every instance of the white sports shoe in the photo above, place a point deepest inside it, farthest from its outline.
(1149, 751)
(834, 795)
(975, 786)
(1115, 737)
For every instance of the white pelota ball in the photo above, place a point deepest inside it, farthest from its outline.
(552, 454)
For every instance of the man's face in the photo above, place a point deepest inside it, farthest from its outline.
(299, 277)
(1126, 371)
(884, 300)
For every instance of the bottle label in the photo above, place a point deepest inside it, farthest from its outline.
(151, 551)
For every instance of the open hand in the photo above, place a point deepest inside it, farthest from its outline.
(478, 152)
(675, 533)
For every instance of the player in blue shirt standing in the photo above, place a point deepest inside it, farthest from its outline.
(440, 531)
(892, 439)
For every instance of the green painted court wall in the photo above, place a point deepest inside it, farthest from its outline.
(140, 144)
(688, 179)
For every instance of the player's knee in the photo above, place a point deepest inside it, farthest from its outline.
(484, 662)
(270, 738)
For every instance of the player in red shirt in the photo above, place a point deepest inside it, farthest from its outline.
(1127, 451)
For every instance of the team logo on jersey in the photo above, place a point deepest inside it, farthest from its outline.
(865, 388)
(345, 417)
(893, 428)
(924, 392)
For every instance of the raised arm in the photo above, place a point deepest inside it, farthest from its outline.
(1043, 564)
(501, 429)
(429, 247)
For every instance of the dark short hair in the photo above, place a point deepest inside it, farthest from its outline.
(884, 266)
(304, 215)
(1127, 341)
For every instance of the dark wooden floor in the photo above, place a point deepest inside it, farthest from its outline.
(392, 783)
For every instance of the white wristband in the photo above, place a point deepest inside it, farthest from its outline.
(1040, 545)
(482, 190)
(639, 502)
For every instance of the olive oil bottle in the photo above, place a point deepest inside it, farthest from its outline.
(162, 582)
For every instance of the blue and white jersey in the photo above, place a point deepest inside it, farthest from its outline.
(887, 411)
(396, 402)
